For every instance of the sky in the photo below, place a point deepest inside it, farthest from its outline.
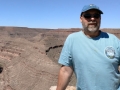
(55, 14)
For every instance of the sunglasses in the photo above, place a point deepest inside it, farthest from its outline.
(88, 16)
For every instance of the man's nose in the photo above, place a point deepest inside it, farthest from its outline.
(92, 18)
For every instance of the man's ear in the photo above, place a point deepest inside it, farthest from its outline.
(81, 19)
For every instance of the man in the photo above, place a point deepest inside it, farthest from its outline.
(91, 54)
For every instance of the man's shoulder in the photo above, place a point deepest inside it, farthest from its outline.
(109, 35)
(75, 34)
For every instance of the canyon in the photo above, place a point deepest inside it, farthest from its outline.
(29, 56)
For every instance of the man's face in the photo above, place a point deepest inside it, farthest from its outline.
(91, 20)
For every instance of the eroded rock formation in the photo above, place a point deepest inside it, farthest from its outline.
(68, 88)
(28, 57)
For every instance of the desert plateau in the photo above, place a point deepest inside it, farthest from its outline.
(29, 56)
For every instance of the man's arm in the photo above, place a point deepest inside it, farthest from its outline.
(64, 76)
(119, 72)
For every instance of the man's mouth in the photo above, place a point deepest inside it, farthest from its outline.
(94, 24)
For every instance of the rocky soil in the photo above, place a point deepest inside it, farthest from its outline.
(29, 56)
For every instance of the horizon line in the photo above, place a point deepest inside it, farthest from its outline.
(51, 28)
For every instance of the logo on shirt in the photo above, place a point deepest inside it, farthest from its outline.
(110, 52)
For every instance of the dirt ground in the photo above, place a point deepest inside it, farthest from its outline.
(29, 56)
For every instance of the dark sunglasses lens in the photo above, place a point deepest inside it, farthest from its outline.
(88, 16)
(96, 15)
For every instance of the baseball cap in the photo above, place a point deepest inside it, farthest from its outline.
(89, 7)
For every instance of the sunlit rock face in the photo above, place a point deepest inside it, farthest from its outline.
(29, 56)
(68, 88)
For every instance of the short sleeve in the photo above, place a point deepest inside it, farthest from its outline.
(119, 50)
(65, 56)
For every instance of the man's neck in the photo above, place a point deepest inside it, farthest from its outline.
(92, 34)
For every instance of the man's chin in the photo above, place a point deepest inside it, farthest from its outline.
(93, 29)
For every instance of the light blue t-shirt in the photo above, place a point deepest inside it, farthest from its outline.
(94, 60)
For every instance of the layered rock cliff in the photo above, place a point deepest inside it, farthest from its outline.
(29, 56)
